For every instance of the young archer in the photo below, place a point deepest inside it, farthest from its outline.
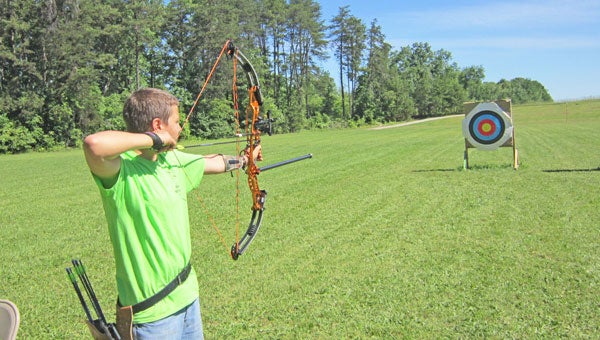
(143, 182)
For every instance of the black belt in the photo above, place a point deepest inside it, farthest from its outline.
(154, 299)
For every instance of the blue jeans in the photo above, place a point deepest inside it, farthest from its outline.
(185, 325)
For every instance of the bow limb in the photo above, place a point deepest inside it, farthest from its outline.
(251, 74)
(239, 247)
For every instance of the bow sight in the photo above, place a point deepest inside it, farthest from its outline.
(263, 125)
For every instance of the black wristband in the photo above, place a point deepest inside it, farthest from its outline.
(157, 143)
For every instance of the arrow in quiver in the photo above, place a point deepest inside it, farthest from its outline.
(100, 328)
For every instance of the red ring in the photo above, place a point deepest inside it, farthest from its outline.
(490, 123)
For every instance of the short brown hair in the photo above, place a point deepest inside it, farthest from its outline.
(144, 105)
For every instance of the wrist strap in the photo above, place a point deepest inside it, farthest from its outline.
(157, 143)
(233, 162)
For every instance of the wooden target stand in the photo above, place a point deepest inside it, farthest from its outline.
(488, 126)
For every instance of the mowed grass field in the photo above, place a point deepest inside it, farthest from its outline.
(381, 235)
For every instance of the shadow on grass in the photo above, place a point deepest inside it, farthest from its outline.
(438, 170)
(471, 168)
(572, 170)
(496, 167)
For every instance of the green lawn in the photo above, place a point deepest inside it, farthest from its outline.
(381, 235)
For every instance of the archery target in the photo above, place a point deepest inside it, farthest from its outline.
(487, 126)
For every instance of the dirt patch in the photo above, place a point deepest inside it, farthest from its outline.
(413, 122)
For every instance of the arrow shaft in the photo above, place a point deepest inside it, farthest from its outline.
(286, 162)
(210, 144)
(79, 295)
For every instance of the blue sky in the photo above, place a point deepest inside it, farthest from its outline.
(556, 42)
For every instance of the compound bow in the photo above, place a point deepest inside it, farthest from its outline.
(254, 126)
(253, 120)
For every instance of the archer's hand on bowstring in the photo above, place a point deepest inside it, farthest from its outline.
(168, 141)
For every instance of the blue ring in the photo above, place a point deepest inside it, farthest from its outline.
(476, 120)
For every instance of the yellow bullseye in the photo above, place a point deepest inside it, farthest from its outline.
(486, 127)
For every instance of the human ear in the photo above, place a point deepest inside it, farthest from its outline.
(156, 124)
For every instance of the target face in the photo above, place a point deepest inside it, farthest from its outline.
(487, 126)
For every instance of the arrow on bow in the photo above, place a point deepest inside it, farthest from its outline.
(264, 125)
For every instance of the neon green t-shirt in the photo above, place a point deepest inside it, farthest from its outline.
(148, 223)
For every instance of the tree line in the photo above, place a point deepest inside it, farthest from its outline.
(68, 65)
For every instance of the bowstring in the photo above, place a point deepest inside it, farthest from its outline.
(238, 151)
(203, 204)
(237, 123)
(210, 74)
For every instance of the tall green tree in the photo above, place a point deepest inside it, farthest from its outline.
(139, 40)
(273, 14)
(435, 88)
(372, 85)
(21, 74)
(523, 90)
(356, 48)
(471, 79)
(339, 35)
(305, 46)
(81, 58)
(348, 37)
